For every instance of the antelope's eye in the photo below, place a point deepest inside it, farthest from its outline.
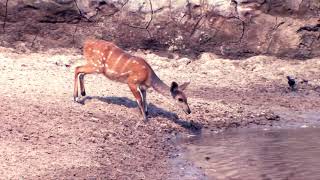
(180, 99)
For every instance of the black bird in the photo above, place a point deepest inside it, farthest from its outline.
(291, 82)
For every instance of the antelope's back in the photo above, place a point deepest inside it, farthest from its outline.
(93, 48)
(114, 61)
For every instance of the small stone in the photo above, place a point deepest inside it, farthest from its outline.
(184, 61)
(304, 126)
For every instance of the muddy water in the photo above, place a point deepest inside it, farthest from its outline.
(257, 153)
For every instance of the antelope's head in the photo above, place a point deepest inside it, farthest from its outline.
(179, 96)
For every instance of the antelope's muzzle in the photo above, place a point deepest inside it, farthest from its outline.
(187, 110)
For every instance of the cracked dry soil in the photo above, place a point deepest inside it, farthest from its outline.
(45, 135)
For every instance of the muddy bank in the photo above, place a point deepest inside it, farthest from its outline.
(44, 134)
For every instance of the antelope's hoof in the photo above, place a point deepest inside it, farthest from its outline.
(145, 120)
(76, 99)
(83, 93)
(147, 113)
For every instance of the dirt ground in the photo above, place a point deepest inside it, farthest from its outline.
(45, 135)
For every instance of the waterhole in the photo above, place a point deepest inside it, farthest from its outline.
(257, 154)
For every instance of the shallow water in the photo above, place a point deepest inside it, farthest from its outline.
(257, 154)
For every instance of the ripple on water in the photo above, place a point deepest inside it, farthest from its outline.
(257, 154)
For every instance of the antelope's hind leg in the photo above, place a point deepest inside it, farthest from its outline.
(82, 89)
(75, 85)
(82, 70)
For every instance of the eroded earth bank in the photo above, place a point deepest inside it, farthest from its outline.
(44, 134)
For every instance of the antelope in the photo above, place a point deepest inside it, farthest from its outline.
(103, 57)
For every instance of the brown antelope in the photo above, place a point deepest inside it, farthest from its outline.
(106, 58)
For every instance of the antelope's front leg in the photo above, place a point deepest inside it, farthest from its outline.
(136, 93)
(144, 100)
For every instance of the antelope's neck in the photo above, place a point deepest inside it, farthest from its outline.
(160, 86)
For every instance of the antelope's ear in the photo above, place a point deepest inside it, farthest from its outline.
(184, 85)
(174, 87)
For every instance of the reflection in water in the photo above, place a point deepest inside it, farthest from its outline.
(257, 154)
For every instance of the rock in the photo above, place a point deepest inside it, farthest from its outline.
(233, 28)
(184, 61)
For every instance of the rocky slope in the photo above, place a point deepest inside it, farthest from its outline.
(232, 28)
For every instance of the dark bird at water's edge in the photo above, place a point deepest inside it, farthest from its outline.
(291, 82)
